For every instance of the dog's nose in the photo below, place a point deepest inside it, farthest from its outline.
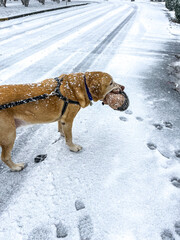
(122, 88)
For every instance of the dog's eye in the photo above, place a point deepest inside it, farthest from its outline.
(111, 83)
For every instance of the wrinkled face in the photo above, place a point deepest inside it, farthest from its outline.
(114, 95)
(101, 84)
(111, 86)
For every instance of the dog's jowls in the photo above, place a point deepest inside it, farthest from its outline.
(50, 109)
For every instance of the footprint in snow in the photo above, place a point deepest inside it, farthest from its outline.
(165, 124)
(61, 230)
(40, 233)
(85, 225)
(158, 126)
(167, 235)
(85, 228)
(79, 205)
(151, 146)
(139, 119)
(176, 182)
(129, 112)
(40, 158)
(177, 153)
(177, 227)
(168, 124)
(124, 119)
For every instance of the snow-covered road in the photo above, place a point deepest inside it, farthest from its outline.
(124, 189)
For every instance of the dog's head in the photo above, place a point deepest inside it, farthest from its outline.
(100, 84)
(102, 87)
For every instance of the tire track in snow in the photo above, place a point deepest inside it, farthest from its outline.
(86, 62)
(89, 41)
(19, 62)
(47, 23)
(29, 19)
(48, 42)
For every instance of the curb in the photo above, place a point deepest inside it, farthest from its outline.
(42, 11)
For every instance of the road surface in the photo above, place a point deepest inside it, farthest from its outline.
(125, 181)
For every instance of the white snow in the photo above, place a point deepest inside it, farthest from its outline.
(15, 8)
(124, 185)
(173, 27)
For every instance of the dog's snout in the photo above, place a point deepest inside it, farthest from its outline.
(118, 88)
(122, 88)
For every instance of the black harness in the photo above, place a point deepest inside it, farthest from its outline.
(59, 94)
(56, 92)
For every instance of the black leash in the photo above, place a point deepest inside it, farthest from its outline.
(28, 100)
(56, 92)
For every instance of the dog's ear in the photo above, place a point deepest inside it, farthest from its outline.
(82, 100)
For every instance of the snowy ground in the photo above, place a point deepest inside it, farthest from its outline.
(174, 67)
(125, 190)
(14, 8)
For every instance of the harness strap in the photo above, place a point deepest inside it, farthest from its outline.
(56, 92)
(64, 108)
(28, 100)
(59, 94)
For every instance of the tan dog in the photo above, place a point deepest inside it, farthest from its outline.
(79, 88)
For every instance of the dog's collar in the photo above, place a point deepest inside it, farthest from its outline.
(87, 90)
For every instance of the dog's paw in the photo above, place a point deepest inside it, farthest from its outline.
(75, 148)
(18, 167)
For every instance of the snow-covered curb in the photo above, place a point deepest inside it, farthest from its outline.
(15, 8)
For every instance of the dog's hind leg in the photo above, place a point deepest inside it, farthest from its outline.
(60, 128)
(7, 138)
(6, 158)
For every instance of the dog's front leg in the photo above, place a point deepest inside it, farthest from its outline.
(67, 130)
